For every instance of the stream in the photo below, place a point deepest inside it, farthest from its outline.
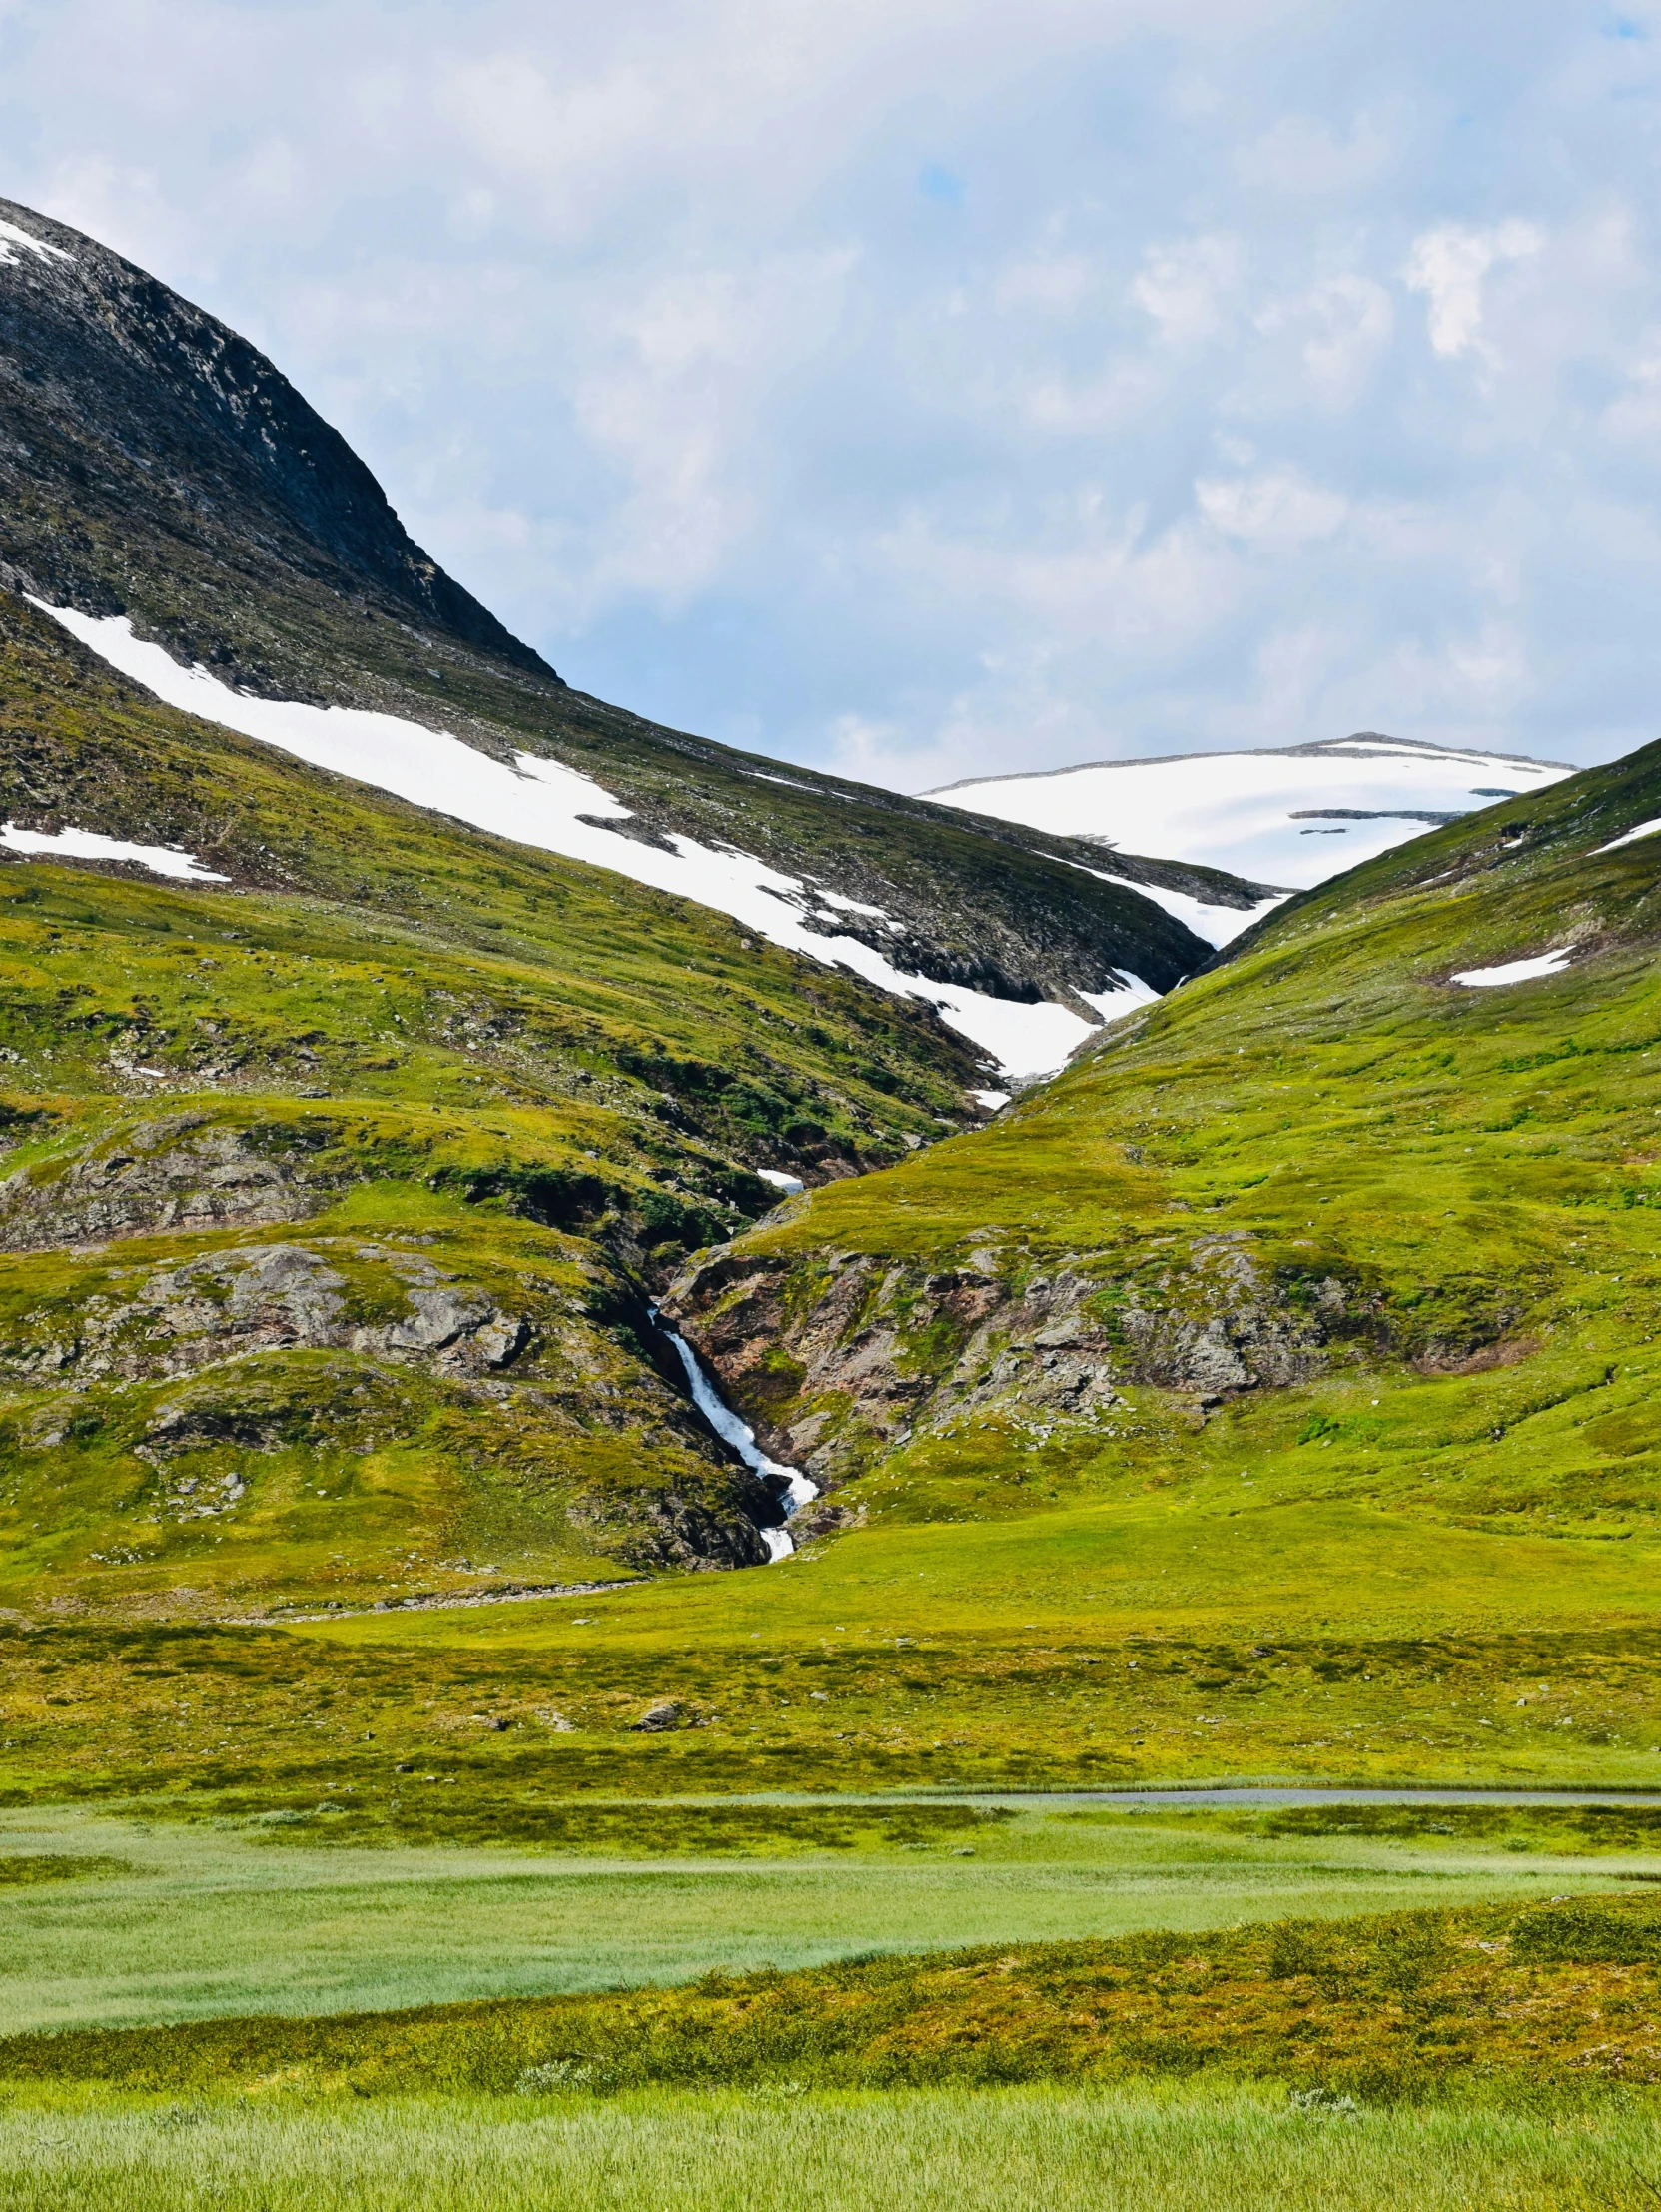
(788, 1483)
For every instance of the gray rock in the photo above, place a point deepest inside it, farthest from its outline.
(667, 1714)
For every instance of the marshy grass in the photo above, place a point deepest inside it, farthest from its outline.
(1013, 2150)
(215, 1918)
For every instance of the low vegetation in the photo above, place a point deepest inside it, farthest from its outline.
(1161, 2149)
(1379, 2009)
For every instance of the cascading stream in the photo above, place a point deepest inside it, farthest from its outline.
(792, 1486)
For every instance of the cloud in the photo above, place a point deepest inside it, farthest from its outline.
(1450, 263)
(919, 383)
(1190, 287)
(1304, 154)
(1342, 326)
(1277, 508)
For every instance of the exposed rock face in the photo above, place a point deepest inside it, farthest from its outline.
(177, 1172)
(192, 436)
(227, 1304)
(1229, 1332)
(836, 1362)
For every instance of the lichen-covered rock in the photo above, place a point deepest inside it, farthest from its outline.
(838, 1360)
(174, 1172)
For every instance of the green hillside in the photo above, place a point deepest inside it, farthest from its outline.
(1320, 1226)
(502, 1093)
(1272, 1393)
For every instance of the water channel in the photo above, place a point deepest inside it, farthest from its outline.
(789, 1484)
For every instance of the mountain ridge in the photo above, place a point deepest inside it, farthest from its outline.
(1252, 806)
(1012, 913)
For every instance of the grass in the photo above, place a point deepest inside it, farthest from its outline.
(1228, 2149)
(1476, 2056)
(1383, 2008)
(207, 1916)
(423, 1046)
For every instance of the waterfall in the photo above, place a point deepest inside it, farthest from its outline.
(790, 1484)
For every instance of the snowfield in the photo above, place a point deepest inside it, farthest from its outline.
(1290, 817)
(1644, 830)
(1218, 925)
(87, 845)
(538, 802)
(1516, 971)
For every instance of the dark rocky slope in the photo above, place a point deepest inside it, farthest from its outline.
(154, 464)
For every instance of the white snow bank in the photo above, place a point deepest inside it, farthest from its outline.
(11, 236)
(789, 1184)
(87, 845)
(1273, 817)
(991, 1100)
(538, 802)
(1516, 971)
(1218, 925)
(1644, 830)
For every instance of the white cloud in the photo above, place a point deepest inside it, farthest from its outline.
(1277, 508)
(1190, 287)
(648, 322)
(671, 394)
(1302, 154)
(1342, 325)
(1450, 263)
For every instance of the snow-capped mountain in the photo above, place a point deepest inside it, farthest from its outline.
(170, 497)
(1292, 816)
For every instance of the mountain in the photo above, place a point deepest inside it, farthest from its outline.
(1345, 1249)
(163, 483)
(1293, 816)
(384, 1022)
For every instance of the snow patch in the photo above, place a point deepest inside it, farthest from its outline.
(1357, 798)
(1644, 830)
(789, 1184)
(991, 1100)
(1216, 925)
(11, 236)
(1121, 997)
(1516, 971)
(87, 845)
(534, 802)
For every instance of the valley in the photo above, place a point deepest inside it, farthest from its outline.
(1196, 1314)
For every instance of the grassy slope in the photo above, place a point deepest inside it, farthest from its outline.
(1438, 1556)
(1457, 1580)
(1474, 1168)
(539, 1078)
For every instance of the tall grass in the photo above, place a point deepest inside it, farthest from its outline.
(1006, 2151)
(216, 1921)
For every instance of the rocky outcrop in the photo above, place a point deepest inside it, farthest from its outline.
(228, 1304)
(1216, 1326)
(838, 1360)
(176, 1172)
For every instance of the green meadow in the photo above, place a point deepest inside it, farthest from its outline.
(1011, 2150)
(176, 1920)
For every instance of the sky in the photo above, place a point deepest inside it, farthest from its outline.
(929, 388)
